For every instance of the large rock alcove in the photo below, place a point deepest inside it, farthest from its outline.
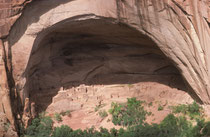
(50, 47)
(94, 52)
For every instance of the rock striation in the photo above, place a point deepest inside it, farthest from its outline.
(50, 44)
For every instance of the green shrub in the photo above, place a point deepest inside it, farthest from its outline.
(99, 107)
(150, 104)
(192, 110)
(40, 127)
(58, 117)
(160, 107)
(66, 113)
(131, 113)
(206, 129)
(171, 126)
(6, 126)
(63, 131)
(103, 113)
(42, 114)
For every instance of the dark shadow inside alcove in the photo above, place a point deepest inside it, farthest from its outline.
(94, 52)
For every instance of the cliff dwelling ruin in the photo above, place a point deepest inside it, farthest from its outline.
(73, 55)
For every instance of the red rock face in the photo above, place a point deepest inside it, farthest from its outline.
(10, 11)
(179, 29)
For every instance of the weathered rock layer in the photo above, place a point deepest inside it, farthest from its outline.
(54, 43)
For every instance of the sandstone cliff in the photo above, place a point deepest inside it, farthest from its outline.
(175, 30)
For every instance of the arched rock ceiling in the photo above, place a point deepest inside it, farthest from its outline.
(95, 52)
(182, 35)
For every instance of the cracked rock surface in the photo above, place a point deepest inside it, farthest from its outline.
(48, 45)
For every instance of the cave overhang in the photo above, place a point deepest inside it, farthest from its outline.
(27, 34)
